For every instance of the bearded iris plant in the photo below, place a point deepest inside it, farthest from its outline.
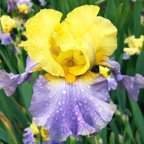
(134, 46)
(6, 25)
(71, 99)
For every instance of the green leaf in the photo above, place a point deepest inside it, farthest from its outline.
(137, 13)
(9, 128)
(112, 138)
(138, 118)
(3, 135)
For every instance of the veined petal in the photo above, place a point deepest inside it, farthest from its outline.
(38, 31)
(80, 108)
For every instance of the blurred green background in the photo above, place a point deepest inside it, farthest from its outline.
(127, 125)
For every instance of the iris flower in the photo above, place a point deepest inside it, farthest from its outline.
(134, 46)
(71, 99)
(7, 24)
(23, 6)
(31, 133)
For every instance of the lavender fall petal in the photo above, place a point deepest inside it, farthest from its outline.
(131, 83)
(5, 38)
(112, 83)
(10, 81)
(28, 137)
(30, 64)
(80, 108)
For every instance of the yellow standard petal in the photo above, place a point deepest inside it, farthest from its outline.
(7, 23)
(75, 55)
(102, 36)
(99, 32)
(83, 16)
(135, 43)
(38, 32)
(131, 51)
(23, 8)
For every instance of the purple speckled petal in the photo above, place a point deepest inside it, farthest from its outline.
(131, 84)
(10, 81)
(5, 38)
(80, 108)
